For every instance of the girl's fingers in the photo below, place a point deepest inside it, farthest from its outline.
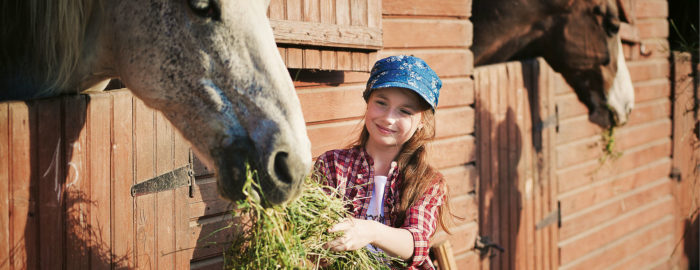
(341, 226)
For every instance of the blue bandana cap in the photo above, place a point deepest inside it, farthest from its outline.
(408, 72)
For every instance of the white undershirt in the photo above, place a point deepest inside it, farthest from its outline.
(376, 204)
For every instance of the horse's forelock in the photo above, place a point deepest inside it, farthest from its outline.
(47, 38)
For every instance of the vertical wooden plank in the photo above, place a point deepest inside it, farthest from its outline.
(295, 58)
(517, 168)
(358, 12)
(327, 10)
(4, 185)
(294, 12)
(512, 151)
(329, 60)
(518, 249)
(99, 142)
(486, 181)
(23, 226)
(312, 59)
(283, 54)
(76, 190)
(144, 149)
(182, 214)
(528, 210)
(50, 158)
(122, 178)
(276, 10)
(499, 151)
(482, 120)
(357, 61)
(312, 10)
(549, 150)
(342, 12)
(374, 14)
(344, 60)
(165, 212)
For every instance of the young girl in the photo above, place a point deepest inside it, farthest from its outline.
(397, 197)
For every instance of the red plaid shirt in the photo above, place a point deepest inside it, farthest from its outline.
(350, 171)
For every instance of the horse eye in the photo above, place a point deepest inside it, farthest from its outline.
(612, 25)
(206, 8)
(597, 10)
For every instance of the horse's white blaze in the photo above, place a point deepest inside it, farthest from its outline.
(621, 93)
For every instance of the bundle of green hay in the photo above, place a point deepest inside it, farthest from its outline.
(291, 236)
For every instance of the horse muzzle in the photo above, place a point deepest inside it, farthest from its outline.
(279, 175)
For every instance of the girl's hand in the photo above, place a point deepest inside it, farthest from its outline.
(357, 234)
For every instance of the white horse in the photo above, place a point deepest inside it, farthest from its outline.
(211, 66)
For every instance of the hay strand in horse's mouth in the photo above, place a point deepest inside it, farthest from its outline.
(291, 236)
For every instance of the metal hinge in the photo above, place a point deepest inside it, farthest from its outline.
(552, 218)
(168, 181)
(550, 121)
(676, 174)
(484, 245)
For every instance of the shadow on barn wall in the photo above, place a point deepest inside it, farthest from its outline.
(48, 204)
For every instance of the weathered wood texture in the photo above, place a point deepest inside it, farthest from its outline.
(686, 162)
(68, 164)
(517, 185)
(341, 35)
(618, 213)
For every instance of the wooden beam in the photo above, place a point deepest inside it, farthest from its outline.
(326, 35)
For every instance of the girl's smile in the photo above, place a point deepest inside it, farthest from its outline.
(393, 115)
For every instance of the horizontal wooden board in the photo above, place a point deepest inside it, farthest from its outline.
(349, 96)
(452, 152)
(651, 111)
(452, 8)
(450, 62)
(628, 246)
(589, 149)
(651, 90)
(651, 9)
(331, 136)
(461, 180)
(592, 171)
(462, 237)
(433, 33)
(649, 69)
(574, 226)
(570, 106)
(653, 253)
(622, 226)
(653, 28)
(600, 192)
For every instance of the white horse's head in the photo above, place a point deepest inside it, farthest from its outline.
(213, 68)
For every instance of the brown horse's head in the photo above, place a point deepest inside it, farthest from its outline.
(584, 46)
(578, 38)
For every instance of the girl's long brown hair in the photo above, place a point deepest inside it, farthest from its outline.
(417, 174)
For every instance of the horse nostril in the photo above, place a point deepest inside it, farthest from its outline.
(282, 168)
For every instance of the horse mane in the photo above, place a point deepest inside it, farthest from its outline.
(42, 40)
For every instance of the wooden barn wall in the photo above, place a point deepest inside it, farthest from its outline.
(66, 168)
(618, 213)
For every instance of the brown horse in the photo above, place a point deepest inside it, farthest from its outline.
(212, 67)
(578, 38)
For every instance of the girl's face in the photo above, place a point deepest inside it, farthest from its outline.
(393, 115)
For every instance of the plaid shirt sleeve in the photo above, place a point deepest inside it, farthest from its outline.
(421, 221)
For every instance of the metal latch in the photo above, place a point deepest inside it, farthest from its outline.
(676, 174)
(484, 245)
(179, 177)
(551, 218)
